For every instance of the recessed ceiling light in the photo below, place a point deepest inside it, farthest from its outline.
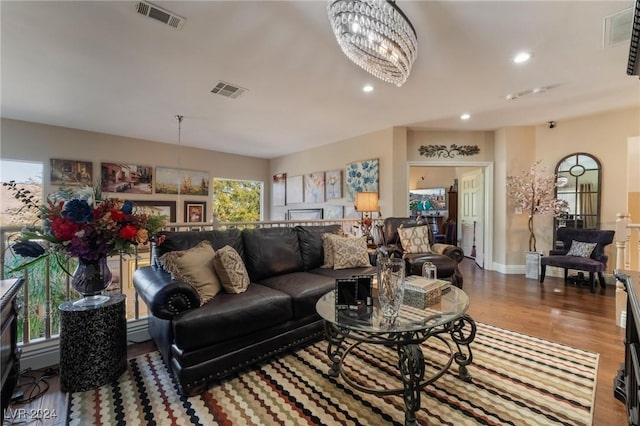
(465, 116)
(367, 88)
(522, 57)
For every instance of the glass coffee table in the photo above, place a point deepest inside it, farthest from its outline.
(348, 329)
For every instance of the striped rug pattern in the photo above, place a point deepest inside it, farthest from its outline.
(517, 380)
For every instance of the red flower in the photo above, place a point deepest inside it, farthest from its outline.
(128, 232)
(117, 215)
(64, 229)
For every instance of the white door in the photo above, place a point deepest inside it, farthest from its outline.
(472, 215)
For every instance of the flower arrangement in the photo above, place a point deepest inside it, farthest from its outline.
(83, 225)
(534, 193)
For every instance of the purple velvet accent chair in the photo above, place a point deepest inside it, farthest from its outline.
(596, 263)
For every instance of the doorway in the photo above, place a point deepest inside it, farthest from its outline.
(481, 210)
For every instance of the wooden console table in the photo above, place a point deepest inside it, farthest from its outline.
(10, 367)
(626, 385)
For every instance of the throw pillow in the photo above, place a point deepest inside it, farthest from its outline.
(195, 267)
(581, 249)
(415, 239)
(327, 249)
(350, 252)
(231, 270)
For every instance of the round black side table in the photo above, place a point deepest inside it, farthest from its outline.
(93, 344)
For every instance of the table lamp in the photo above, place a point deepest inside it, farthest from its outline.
(366, 202)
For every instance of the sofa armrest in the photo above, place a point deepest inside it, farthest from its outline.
(164, 296)
(454, 252)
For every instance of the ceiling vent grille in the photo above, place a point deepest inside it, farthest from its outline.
(617, 28)
(159, 14)
(228, 90)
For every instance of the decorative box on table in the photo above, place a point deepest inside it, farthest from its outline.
(421, 292)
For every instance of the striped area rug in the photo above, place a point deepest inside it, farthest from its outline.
(517, 380)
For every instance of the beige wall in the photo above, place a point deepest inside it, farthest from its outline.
(416, 138)
(23, 140)
(337, 155)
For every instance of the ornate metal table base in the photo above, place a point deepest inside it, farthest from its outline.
(411, 362)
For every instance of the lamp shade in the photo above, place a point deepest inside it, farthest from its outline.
(367, 201)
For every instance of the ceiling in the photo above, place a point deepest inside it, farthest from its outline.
(100, 66)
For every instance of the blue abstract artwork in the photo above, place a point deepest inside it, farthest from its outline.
(362, 176)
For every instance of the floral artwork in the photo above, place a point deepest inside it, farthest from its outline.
(314, 187)
(294, 189)
(362, 176)
(279, 189)
(534, 193)
(351, 213)
(333, 184)
(333, 212)
(178, 181)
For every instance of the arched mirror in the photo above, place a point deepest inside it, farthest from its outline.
(579, 180)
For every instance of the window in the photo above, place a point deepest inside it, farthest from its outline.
(237, 200)
(28, 177)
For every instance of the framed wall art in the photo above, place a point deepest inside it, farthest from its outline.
(71, 172)
(304, 214)
(130, 178)
(314, 187)
(180, 181)
(333, 184)
(362, 176)
(167, 208)
(333, 212)
(294, 189)
(195, 211)
(279, 189)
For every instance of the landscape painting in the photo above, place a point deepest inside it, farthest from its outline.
(179, 181)
(130, 178)
(71, 172)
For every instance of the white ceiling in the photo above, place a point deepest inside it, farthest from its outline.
(102, 67)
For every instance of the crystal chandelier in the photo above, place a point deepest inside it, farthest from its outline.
(376, 35)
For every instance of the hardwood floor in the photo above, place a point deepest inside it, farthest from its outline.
(564, 314)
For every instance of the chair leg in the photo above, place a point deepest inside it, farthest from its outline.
(601, 279)
(543, 271)
(592, 283)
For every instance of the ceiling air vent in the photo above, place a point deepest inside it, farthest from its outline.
(159, 14)
(229, 90)
(617, 28)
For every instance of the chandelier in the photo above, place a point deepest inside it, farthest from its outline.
(376, 35)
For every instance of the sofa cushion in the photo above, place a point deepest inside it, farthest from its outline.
(415, 239)
(228, 316)
(310, 238)
(581, 249)
(304, 288)
(195, 267)
(271, 251)
(187, 239)
(350, 253)
(230, 268)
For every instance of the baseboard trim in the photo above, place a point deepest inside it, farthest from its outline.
(46, 353)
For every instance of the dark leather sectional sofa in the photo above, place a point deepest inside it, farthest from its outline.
(202, 344)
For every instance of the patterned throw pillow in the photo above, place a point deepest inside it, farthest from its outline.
(350, 252)
(231, 270)
(415, 239)
(195, 267)
(581, 249)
